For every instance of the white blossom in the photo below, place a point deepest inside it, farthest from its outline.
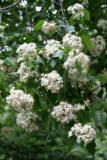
(26, 51)
(49, 27)
(99, 45)
(20, 100)
(75, 73)
(52, 81)
(51, 47)
(102, 24)
(83, 133)
(76, 10)
(27, 121)
(78, 107)
(23, 3)
(72, 41)
(25, 72)
(65, 112)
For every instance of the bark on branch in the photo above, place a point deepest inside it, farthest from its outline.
(5, 9)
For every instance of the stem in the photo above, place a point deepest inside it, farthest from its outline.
(60, 4)
(26, 9)
(5, 9)
(62, 10)
(98, 87)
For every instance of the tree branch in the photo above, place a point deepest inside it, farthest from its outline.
(97, 87)
(91, 94)
(5, 9)
(59, 3)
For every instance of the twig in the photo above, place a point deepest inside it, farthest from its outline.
(97, 88)
(5, 9)
(91, 95)
(57, 3)
(98, 98)
(62, 10)
(60, 4)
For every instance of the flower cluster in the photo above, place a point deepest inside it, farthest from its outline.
(2, 67)
(52, 81)
(26, 120)
(72, 41)
(84, 133)
(49, 27)
(26, 51)
(20, 100)
(23, 104)
(77, 66)
(99, 45)
(102, 24)
(25, 72)
(65, 112)
(69, 49)
(51, 47)
(77, 11)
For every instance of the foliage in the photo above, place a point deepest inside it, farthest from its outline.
(23, 23)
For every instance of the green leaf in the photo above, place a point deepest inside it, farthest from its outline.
(105, 104)
(3, 86)
(39, 60)
(91, 148)
(53, 63)
(87, 42)
(101, 117)
(87, 15)
(9, 61)
(38, 25)
(69, 28)
(59, 54)
(102, 77)
(47, 4)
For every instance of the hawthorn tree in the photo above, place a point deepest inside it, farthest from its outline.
(53, 79)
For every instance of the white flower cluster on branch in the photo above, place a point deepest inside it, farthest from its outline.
(25, 72)
(83, 133)
(49, 27)
(26, 51)
(65, 112)
(99, 45)
(77, 66)
(102, 24)
(27, 120)
(51, 47)
(72, 41)
(20, 100)
(52, 81)
(23, 104)
(76, 10)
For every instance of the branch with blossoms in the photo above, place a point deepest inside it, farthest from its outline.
(54, 72)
